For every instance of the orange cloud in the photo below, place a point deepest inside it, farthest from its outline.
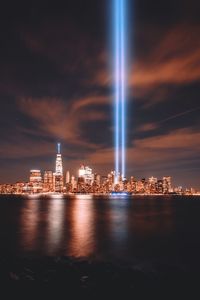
(168, 149)
(63, 120)
(174, 60)
(147, 127)
(178, 139)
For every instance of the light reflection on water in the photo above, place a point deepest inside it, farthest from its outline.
(55, 219)
(100, 227)
(30, 221)
(118, 222)
(84, 226)
(82, 240)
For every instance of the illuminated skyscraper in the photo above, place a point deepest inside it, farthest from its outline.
(97, 179)
(74, 183)
(59, 166)
(67, 177)
(35, 181)
(48, 181)
(167, 186)
(58, 175)
(86, 174)
(160, 186)
(153, 185)
(35, 176)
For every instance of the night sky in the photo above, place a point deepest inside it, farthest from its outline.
(56, 86)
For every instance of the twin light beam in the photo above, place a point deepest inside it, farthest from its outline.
(119, 9)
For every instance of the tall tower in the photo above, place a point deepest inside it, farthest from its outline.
(59, 166)
(58, 175)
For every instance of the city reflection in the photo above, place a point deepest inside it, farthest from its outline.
(118, 219)
(55, 224)
(29, 224)
(101, 227)
(82, 241)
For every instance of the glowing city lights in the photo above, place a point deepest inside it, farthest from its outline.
(55, 185)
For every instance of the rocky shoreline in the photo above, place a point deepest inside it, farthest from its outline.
(69, 276)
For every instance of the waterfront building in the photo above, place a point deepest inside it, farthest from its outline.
(48, 181)
(35, 181)
(85, 174)
(160, 187)
(67, 177)
(152, 185)
(167, 187)
(73, 184)
(18, 187)
(97, 179)
(140, 187)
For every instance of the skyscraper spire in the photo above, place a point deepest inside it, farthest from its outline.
(58, 147)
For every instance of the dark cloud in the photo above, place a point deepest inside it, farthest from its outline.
(174, 60)
(63, 120)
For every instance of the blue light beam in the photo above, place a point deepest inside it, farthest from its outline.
(120, 87)
(117, 87)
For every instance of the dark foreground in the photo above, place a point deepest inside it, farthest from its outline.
(67, 278)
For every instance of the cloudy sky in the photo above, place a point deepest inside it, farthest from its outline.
(56, 86)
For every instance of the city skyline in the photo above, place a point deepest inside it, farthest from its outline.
(86, 181)
(56, 85)
(61, 171)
